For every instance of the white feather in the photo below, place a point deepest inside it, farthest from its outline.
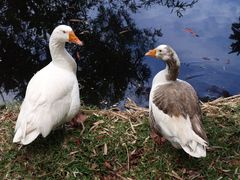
(179, 132)
(52, 98)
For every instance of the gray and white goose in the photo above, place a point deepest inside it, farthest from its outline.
(174, 107)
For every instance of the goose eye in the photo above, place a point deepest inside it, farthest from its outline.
(160, 50)
(64, 32)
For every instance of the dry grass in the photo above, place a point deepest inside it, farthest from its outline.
(116, 145)
(217, 107)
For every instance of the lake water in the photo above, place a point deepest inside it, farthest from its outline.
(117, 34)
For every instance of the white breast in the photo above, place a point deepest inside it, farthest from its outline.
(52, 98)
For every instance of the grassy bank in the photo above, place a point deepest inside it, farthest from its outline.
(116, 145)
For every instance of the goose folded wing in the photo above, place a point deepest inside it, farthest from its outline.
(180, 99)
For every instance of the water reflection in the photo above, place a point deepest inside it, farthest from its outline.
(110, 59)
(204, 57)
(235, 46)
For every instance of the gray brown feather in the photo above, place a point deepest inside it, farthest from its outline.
(180, 99)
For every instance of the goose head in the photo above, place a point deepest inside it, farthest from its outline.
(64, 33)
(165, 53)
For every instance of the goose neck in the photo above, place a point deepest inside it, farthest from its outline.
(172, 69)
(60, 56)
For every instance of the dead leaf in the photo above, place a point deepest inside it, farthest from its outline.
(156, 138)
(94, 166)
(124, 31)
(174, 174)
(74, 152)
(78, 141)
(94, 152)
(105, 149)
(100, 136)
(189, 30)
(107, 165)
(76, 20)
(78, 120)
(84, 32)
(96, 124)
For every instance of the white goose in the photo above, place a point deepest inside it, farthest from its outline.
(52, 95)
(174, 108)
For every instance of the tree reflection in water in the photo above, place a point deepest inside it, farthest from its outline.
(110, 59)
(235, 46)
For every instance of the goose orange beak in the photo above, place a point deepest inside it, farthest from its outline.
(151, 53)
(73, 38)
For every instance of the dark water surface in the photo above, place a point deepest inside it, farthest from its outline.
(111, 65)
